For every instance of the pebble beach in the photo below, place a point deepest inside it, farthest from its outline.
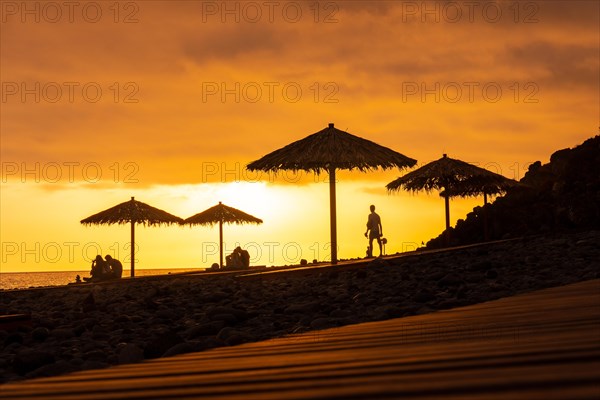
(80, 327)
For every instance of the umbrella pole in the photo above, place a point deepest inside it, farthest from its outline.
(486, 231)
(332, 215)
(221, 243)
(447, 203)
(132, 248)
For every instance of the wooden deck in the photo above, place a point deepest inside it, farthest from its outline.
(540, 345)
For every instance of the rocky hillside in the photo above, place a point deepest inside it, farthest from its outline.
(563, 195)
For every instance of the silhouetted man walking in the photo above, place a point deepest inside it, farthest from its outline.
(374, 231)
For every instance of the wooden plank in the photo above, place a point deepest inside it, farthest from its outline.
(544, 344)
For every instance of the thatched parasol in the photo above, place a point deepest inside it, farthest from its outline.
(328, 150)
(220, 214)
(452, 178)
(133, 212)
(496, 185)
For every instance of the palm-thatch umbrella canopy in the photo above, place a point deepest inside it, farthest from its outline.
(328, 150)
(133, 212)
(452, 178)
(220, 214)
(496, 185)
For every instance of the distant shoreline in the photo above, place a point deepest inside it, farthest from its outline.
(10, 280)
(172, 272)
(158, 273)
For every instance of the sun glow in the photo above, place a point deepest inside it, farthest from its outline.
(295, 223)
(174, 147)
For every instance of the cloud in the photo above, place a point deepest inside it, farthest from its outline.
(368, 54)
(565, 66)
(235, 41)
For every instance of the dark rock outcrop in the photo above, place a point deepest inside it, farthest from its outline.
(561, 196)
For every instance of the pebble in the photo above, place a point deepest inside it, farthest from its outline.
(62, 333)
(491, 274)
(451, 279)
(58, 368)
(424, 296)
(130, 353)
(228, 319)
(160, 344)
(238, 338)
(206, 329)
(40, 334)
(28, 360)
(323, 323)
(220, 310)
(179, 348)
(13, 338)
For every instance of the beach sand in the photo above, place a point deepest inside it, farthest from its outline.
(94, 326)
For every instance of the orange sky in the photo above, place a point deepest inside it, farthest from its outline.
(167, 101)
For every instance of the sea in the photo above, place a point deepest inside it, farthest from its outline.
(24, 280)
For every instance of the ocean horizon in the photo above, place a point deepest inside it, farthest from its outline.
(28, 280)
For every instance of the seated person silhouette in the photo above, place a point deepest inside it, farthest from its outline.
(239, 259)
(116, 268)
(100, 270)
(245, 258)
